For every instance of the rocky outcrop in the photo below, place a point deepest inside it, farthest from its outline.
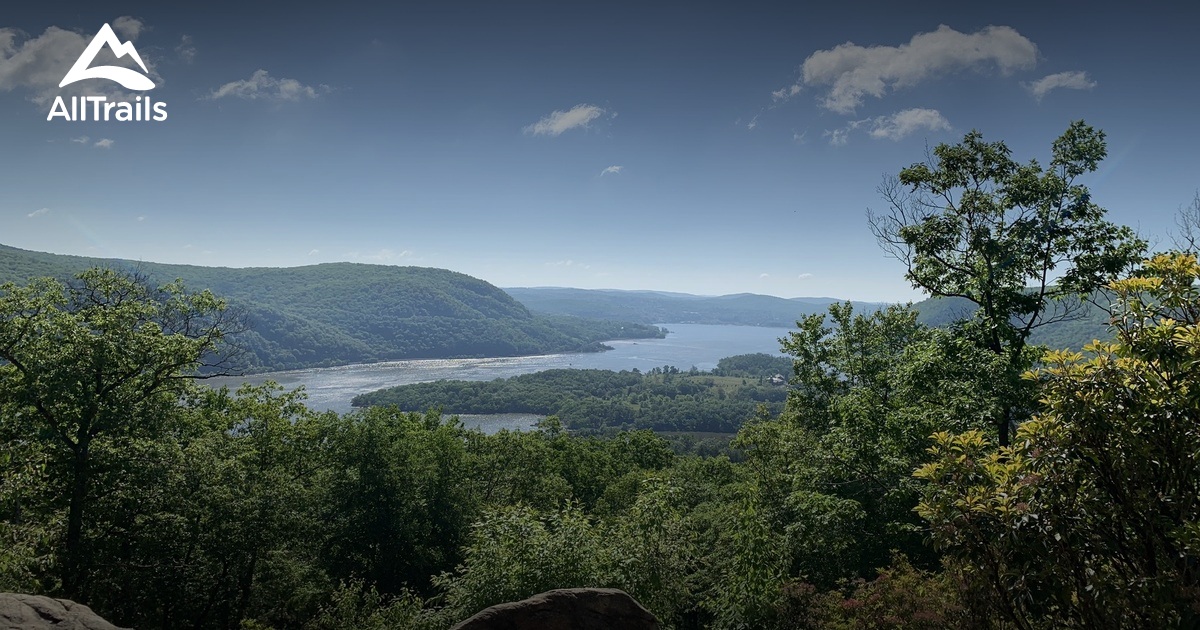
(37, 612)
(566, 609)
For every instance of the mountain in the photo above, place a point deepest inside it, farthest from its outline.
(1086, 325)
(651, 307)
(339, 313)
(749, 309)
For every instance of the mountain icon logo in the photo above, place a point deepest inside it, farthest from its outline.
(130, 79)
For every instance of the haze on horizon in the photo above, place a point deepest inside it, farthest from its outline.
(711, 151)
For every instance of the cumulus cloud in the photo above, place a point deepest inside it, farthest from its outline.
(37, 213)
(128, 27)
(612, 170)
(105, 143)
(262, 86)
(905, 122)
(764, 275)
(38, 64)
(854, 72)
(804, 276)
(893, 127)
(80, 140)
(1076, 80)
(559, 121)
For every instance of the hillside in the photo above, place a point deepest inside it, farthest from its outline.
(1090, 323)
(748, 309)
(338, 313)
(651, 307)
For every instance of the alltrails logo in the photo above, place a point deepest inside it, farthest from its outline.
(100, 108)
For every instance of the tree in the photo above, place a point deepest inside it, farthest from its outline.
(1092, 517)
(105, 357)
(834, 471)
(1187, 220)
(1018, 240)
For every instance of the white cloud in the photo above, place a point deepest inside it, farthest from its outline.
(128, 27)
(559, 121)
(753, 122)
(804, 276)
(140, 219)
(105, 143)
(855, 72)
(38, 64)
(1076, 80)
(261, 85)
(80, 140)
(37, 213)
(764, 275)
(186, 49)
(313, 252)
(783, 94)
(894, 127)
(839, 137)
(799, 138)
(905, 122)
(612, 170)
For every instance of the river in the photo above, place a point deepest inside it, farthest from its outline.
(685, 346)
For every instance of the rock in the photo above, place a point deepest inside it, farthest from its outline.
(37, 612)
(566, 609)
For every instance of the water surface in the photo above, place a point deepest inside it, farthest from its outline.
(686, 346)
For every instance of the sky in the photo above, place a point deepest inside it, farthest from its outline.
(707, 148)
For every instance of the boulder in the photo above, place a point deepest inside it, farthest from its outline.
(566, 609)
(37, 612)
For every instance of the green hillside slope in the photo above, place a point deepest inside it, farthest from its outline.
(649, 307)
(340, 313)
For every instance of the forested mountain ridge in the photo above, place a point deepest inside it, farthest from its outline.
(1087, 323)
(338, 313)
(749, 309)
(656, 307)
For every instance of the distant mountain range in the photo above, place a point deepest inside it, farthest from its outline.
(748, 309)
(650, 307)
(340, 313)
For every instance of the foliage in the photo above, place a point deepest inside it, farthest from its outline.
(515, 553)
(754, 365)
(901, 596)
(1091, 517)
(834, 470)
(1022, 242)
(88, 364)
(339, 313)
(401, 496)
(663, 399)
(356, 606)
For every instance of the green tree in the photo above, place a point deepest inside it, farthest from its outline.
(1091, 518)
(834, 471)
(92, 362)
(1021, 241)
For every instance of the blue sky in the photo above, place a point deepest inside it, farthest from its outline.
(705, 148)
